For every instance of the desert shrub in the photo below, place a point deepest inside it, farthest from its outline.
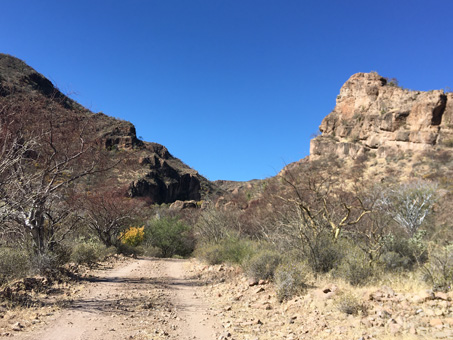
(263, 264)
(128, 250)
(322, 252)
(45, 263)
(14, 263)
(214, 225)
(289, 278)
(211, 253)
(232, 249)
(171, 235)
(148, 250)
(448, 142)
(349, 304)
(84, 253)
(439, 270)
(403, 253)
(133, 236)
(314, 244)
(355, 267)
(90, 251)
(394, 261)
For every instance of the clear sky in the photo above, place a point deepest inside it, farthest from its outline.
(234, 88)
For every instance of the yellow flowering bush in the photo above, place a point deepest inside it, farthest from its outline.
(133, 236)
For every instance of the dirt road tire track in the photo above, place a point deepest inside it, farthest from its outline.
(143, 299)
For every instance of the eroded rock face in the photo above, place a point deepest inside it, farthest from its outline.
(163, 181)
(372, 113)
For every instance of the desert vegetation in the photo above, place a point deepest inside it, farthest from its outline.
(65, 204)
(315, 221)
(319, 223)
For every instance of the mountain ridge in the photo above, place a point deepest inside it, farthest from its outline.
(153, 173)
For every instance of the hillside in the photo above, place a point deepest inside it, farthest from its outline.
(146, 170)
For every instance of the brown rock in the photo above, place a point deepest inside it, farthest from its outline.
(435, 322)
(181, 205)
(441, 296)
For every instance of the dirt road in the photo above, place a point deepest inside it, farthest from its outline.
(143, 299)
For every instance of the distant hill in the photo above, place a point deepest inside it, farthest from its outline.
(146, 170)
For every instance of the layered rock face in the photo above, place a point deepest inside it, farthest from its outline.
(372, 113)
(164, 179)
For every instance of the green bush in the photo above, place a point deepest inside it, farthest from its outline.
(211, 253)
(325, 253)
(263, 264)
(231, 249)
(404, 253)
(290, 279)
(355, 267)
(128, 250)
(89, 252)
(170, 235)
(395, 262)
(14, 263)
(84, 253)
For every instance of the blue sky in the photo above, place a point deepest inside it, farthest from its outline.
(233, 88)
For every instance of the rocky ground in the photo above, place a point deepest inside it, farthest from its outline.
(150, 298)
(250, 310)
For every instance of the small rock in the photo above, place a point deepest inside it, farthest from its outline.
(252, 282)
(389, 292)
(435, 322)
(384, 314)
(225, 335)
(394, 328)
(237, 298)
(259, 290)
(17, 327)
(441, 296)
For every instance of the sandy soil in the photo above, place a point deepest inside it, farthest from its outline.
(142, 299)
(184, 299)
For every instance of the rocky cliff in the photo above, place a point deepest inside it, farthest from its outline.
(147, 170)
(373, 114)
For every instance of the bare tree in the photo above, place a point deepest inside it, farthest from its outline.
(50, 151)
(108, 213)
(409, 204)
(322, 202)
(312, 210)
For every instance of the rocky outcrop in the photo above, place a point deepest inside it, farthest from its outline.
(147, 170)
(372, 113)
